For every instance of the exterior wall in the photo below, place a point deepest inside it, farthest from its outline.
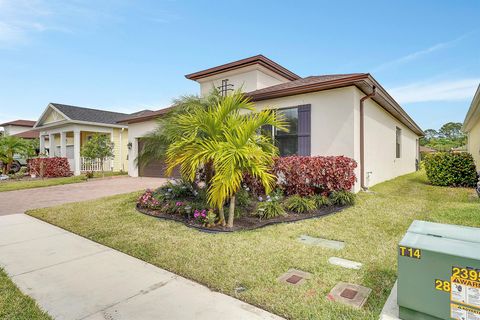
(248, 78)
(11, 129)
(332, 116)
(120, 141)
(136, 131)
(381, 163)
(474, 143)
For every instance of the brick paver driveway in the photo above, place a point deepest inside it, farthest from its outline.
(21, 200)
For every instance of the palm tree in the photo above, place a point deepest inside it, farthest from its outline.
(169, 128)
(11, 146)
(226, 135)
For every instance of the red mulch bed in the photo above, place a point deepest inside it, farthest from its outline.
(245, 222)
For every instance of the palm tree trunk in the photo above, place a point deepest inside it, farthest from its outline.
(231, 212)
(221, 213)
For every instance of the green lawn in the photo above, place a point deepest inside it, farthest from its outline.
(26, 184)
(254, 259)
(14, 305)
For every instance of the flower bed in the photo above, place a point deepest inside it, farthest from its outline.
(187, 203)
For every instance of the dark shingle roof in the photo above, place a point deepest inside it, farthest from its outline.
(145, 115)
(304, 82)
(89, 115)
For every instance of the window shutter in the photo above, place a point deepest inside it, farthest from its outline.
(304, 129)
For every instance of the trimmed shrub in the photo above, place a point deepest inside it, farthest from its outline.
(306, 176)
(50, 167)
(342, 198)
(300, 204)
(451, 169)
(313, 175)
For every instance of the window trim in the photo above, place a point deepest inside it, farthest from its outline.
(398, 142)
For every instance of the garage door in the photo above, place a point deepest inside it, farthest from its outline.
(154, 168)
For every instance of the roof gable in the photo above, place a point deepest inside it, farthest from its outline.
(58, 113)
(473, 114)
(255, 60)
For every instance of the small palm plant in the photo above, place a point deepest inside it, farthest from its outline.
(227, 136)
(11, 146)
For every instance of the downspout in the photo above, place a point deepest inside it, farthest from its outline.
(362, 137)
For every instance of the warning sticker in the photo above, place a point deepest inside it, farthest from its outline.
(465, 291)
(459, 312)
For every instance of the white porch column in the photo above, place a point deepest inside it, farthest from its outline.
(76, 151)
(63, 144)
(51, 148)
(42, 144)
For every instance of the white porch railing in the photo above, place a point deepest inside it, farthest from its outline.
(95, 165)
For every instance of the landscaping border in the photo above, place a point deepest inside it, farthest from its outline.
(305, 216)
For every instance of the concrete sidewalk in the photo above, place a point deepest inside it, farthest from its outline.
(74, 278)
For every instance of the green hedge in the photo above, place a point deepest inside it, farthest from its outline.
(451, 169)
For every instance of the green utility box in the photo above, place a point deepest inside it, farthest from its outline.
(439, 272)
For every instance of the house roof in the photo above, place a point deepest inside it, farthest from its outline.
(30, 134)
(88, 114)
(20, 123)
(473, 114)
(427, 149)
(363, 81)
(258, 59)
(144, 115)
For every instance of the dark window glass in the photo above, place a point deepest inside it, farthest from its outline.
(287, 142)
(398, 142)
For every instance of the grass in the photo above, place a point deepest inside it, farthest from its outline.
(48, 182)
(14, 305)
(254, 259)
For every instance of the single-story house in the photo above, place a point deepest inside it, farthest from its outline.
(20, 128)
(339, 114)
(69, 127)
(471, 126)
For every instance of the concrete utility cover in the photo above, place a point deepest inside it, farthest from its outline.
(345, 263)
(350, 294)
(325, 243)
(295, 277)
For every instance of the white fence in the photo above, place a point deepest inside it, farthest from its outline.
(95, 165)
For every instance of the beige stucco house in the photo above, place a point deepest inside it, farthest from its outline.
(20, 128)
(67, 128)
(341, 114)
(471, 126)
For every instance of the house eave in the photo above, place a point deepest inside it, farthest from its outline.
(68, 122)
(473, 113)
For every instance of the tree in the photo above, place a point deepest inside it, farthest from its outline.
(452, 131)
(11, 146)
(99, 147)
(228, 137)
(170, 130)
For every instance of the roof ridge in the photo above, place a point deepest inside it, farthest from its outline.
(86, 108)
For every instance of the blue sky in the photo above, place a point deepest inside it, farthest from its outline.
(127, 55)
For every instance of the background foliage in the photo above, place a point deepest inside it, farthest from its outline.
(451, 169)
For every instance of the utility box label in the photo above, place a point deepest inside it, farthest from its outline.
(459, 312)
(410, 252)
(465, 291)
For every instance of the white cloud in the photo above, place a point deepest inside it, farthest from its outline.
(420, 53)
(447, 90)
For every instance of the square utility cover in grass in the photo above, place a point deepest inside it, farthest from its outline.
(254, 259)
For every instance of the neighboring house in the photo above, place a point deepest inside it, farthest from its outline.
(471, 126)
(342, 114)
(20, 128)
(69, 127)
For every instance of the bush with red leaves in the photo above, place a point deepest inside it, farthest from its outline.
(305, 175)
(50, 167)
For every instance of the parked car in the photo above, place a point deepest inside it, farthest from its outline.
(18, 163)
